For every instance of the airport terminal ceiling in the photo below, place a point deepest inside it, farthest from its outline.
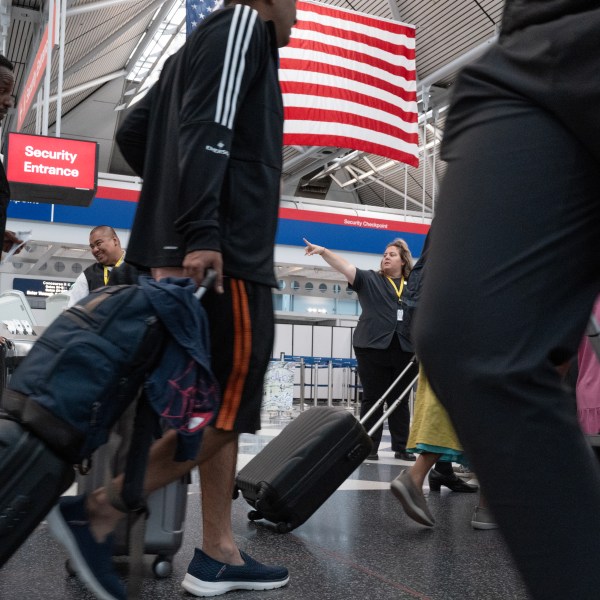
(110, 45)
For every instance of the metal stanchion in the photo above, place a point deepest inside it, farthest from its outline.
(356, 386)
(302, 382)
(345, 399)
(330, 383)
(316, 384)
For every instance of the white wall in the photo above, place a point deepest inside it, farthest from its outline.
(312, 341)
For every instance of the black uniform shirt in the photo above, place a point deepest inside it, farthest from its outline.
(378, 322)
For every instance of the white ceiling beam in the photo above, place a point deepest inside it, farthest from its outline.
(140, 84)
(149, 34)
(337, 163)
(303, 155)
(288, 165)
(76, 66)
(88, 84)
(394, 10)
(25, 15)
(456, 64)
(363, 178)
(93, 6)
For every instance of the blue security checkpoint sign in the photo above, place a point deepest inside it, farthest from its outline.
(365, 233)
(348, 232)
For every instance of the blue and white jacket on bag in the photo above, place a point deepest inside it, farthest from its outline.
(182, 388)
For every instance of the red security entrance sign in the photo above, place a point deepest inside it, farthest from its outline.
(51, 169)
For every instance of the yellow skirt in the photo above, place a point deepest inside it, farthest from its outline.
(431, 425)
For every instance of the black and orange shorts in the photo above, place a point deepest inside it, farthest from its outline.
(241, 333)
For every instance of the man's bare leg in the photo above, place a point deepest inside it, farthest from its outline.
(161, 471)
(217, 474)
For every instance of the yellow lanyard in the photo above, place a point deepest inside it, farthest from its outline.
(398, 291)
(107, 270)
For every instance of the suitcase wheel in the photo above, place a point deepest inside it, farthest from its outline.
(162, 567)
(283, 527)
(255, 515)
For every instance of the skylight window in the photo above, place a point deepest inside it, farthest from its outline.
(162, 40)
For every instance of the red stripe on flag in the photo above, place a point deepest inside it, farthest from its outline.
(355, 17)
(293, 87)
(354, 36)
(336, 116)
(340, 141)
(359, 57)
(292, 64)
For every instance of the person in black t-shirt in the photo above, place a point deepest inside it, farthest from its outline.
(381, 342)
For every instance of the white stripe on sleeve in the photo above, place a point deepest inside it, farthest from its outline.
(238, 40)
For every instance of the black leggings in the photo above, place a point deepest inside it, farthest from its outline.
(512, 273)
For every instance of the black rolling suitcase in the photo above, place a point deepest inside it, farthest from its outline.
(28, 469)
(299, 469)
(31, 479)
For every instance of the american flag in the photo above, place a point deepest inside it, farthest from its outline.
(348, 80)
(196, 10)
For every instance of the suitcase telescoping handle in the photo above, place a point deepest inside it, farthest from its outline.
(207, 282)
(392, 408)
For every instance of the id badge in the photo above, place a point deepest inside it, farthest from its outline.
(400, 316)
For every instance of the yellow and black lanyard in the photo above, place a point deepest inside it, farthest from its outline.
(119, 262)
(398, 290)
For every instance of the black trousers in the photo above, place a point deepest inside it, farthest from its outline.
(512, 273)
(377, 370)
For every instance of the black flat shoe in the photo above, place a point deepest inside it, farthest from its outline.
(404, 455)
(456, 484)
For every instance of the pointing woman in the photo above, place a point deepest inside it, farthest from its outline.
(381, 340)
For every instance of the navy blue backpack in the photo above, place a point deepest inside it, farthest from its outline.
(85, 370)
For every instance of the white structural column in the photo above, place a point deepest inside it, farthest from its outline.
(50, 42)
(61, 65)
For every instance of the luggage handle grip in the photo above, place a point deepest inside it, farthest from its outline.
(207, 282)
(392, 387)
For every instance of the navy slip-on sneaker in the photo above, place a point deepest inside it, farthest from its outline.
(209, 577)
(69, 524)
